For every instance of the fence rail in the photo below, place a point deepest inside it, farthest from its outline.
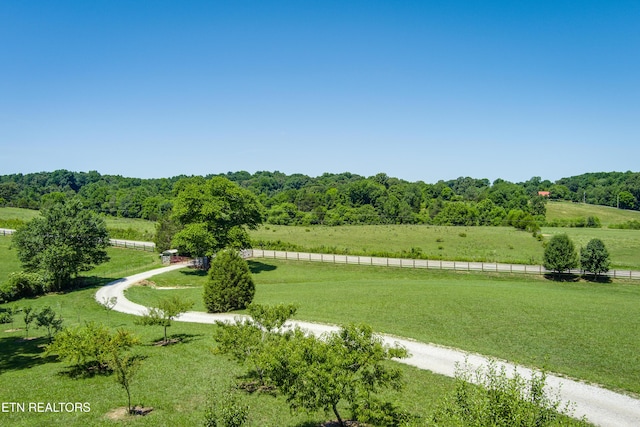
(426, 264)
(132, 244)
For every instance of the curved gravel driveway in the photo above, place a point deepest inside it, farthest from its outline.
(600, 406)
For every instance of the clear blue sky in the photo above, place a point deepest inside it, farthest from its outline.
(421, 90)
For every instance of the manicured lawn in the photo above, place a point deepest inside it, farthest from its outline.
(585, 330)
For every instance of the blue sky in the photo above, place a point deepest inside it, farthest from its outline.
(421, 90)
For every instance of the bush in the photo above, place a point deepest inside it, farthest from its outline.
(491, 397)
(230, 285)
(5, 317)
(225, 410)
(629, 225)
(22, 285)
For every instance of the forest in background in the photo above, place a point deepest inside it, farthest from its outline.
(337, 199)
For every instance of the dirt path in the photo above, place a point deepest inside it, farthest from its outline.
(600, 406)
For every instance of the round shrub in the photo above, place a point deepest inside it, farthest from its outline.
(230, 285)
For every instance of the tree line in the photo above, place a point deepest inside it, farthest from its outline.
(334, 199)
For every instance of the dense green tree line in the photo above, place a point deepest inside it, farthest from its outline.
(334, 199)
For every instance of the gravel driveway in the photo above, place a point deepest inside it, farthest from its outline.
(600, 406)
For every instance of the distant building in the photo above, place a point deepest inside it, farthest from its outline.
(544, 193)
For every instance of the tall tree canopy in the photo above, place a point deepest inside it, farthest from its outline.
(560, 254)
(63, 241)
(215, 214)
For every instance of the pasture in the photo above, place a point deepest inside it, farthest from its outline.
(487, 244)
(119, 228)
(564, 211)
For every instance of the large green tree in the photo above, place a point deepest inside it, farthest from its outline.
(560, 254)
(594, 257)
(64, 240)
(215, 214)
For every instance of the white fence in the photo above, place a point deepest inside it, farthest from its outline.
(423, 263)
(132, 244)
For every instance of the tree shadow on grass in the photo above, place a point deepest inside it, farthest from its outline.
(177, 339)
(257, 267)
(17, 353)
(563, 277)
(86, 370)
(91, 369)
(89, 282)
(193, 272)
(597, 279)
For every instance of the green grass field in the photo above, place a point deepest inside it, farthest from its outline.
(120, 228)
(606, 214)
(585, 330)
(174, 380)
(488, 244)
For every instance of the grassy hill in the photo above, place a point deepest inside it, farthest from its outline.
(565, 211)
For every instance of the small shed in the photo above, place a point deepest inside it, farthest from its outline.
(168, 254)
(544, 193)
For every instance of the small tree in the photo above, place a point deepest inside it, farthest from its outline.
(167, 310)
(48, 319)
(28, 316)
(560, 254)
(318, 373)
(90, 346)
(109, 304)
(230, 285)
(246, 341)
(594, 257)
(124, 365)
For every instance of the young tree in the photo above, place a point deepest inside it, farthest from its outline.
(246, 341)
(560, 254)
(109, 304)
(594, 257)
(63, 241)
(125, 365)
(230, 285)
(214, 214)
(90, 346)
(48, 319)
(168, 309)
(28, 315)
(318, 373)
